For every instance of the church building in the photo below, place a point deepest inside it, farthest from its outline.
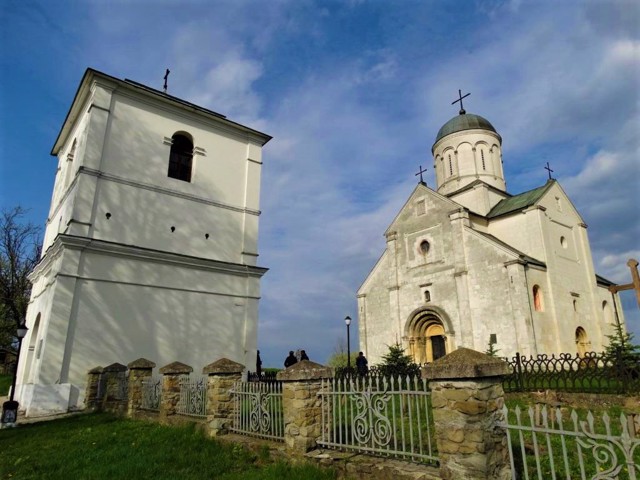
(468, 264)
(151, 243)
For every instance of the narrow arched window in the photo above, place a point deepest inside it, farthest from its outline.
(537, 298)
(484, 167)
(180, 158)
(450, 165)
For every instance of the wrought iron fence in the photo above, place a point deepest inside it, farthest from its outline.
(151, 393)
(388, 416)
(193, 396)
(557, 444)
(411, 369)
(258, 409)
(591, 372)
(268, 376)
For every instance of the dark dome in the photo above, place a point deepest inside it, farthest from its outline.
(464, 121)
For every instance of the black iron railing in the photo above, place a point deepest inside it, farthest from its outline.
(588, 373)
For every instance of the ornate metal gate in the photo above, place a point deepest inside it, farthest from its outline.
(258, 409)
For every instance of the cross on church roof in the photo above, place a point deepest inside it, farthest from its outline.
(462, 111)
(420, 173)
(166, 75)
(548, 168)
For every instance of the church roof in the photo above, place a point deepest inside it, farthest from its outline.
(465, 121)
(519, 202)
(600, 280)
(83, 92)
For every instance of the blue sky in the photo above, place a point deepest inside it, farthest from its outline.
(353, 93)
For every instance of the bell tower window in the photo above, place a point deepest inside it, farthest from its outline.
(181, 157)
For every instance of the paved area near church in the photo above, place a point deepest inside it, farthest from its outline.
(26, 421)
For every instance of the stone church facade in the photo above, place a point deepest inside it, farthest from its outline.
(467, 263)
(150, 247)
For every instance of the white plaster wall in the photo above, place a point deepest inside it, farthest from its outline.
(492, 310)
(480, 199)
(125, 174)
(521, 231)
(114, 302)
(465, 148)
(144, 218)
(117, 309)
(393, 293)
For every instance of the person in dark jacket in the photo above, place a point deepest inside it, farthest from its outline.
(290, 360)
(258, 365)
(362, 365)
(303, 355)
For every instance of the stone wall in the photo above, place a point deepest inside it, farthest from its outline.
(467, 398)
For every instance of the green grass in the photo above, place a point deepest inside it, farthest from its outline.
(5, 384)
(100, 446)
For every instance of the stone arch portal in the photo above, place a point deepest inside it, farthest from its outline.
(428, 335)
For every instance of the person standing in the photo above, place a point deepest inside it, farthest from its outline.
(362, 365)
(258, 365)
(290, 360)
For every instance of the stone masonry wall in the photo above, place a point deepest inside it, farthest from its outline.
(468, 413)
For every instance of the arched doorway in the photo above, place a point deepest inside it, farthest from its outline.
(582, 341)
(426, 333)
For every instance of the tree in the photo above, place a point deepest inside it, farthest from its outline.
(491, 350)
(19, 254)
(338, 358)
(396, 362)
(623, 354)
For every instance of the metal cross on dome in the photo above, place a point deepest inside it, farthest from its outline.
(420, 173)
(462, 111)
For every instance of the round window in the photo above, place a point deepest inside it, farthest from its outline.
(424, 247)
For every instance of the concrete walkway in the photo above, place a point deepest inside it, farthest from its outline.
(25, 421)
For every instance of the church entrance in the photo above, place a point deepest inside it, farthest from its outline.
(426, 337)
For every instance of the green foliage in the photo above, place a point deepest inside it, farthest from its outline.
(397, 362)
(339, 360)
(491, 350)
(100, 446)
(5, 384)
(621, 343)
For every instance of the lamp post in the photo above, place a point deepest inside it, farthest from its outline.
(10, 407)
(347, 320)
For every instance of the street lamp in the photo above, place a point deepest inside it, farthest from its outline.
(10, 407)
(347, 320)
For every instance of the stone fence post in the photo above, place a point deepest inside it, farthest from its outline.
(171, 388)
(139, 371)
(301, 404)
(115, 384)
(222, 376)
(91, 400)
(467, 398)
